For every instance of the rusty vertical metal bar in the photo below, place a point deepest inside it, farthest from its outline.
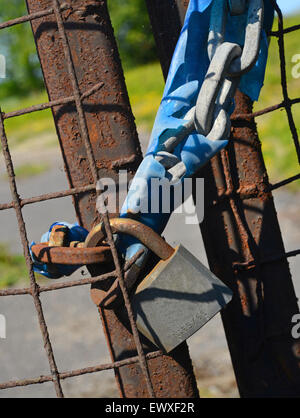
(240, 229)
(240, 211)
(171, 12)
(107, 111)
(114, 145)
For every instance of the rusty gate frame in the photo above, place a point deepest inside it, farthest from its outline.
(96, 153)
(249, 254)
(91, 143)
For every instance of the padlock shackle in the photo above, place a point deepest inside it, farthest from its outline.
(71, 256)
(136, 229)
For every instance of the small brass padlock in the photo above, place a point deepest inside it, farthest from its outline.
(178, 296)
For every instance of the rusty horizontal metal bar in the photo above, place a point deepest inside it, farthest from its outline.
(31, 16)
(26, 18)
(51, 104)
(72, 283)
(278, 257)
(251, 191)
(79, 372)
(266, 110)
(58, 286)
(284, 31)
(285, 182)
(271, 259)
(49, 196)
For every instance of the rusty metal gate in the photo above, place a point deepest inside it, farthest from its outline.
(95, 127)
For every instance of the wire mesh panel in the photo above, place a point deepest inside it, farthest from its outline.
(287, 104)
(18, 203)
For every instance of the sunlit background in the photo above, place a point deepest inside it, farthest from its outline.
(289, 6)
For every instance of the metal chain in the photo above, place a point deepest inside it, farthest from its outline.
(212, 87)
(210, 117)
(252, 39)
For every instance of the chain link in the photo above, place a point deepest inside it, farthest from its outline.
(252, 39)
(210, 117)
(213, 85)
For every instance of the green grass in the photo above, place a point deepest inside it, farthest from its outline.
(23, 128)
(25, 171)
(12, 267)
(145, 87)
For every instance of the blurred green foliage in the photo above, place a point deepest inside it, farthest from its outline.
(36, 124)
(12, 268)
(23, 71)
(274, 132)
(132, 29)
(25, 171)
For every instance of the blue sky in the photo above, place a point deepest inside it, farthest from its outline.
(289, 6)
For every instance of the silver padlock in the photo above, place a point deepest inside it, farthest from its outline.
(178, 297)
